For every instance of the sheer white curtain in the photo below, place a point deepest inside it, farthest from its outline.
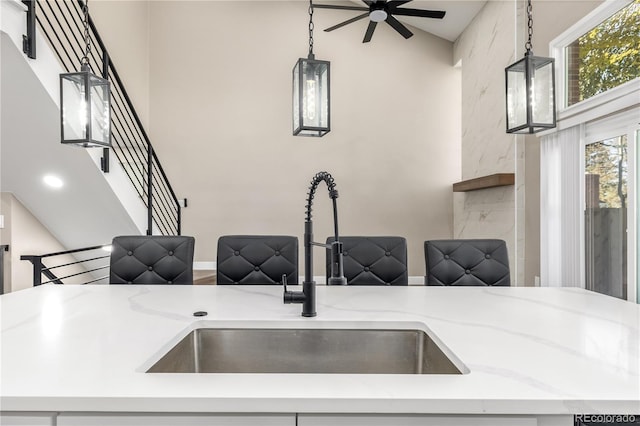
(560, 209)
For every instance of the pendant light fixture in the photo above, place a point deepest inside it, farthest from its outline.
(85, 110)
(530, 90)
(311, 92)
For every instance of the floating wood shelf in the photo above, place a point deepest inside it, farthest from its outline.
(491, 181)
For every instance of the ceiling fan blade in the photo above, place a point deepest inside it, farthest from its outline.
(331, 6)
(404, 31)
(369, 33)
(368, 2)
(347, 22)
(437, 14)
(395, 3)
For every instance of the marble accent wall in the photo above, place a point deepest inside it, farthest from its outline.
(485, 48)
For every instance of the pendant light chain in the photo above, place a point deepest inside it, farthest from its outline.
(528, 45)
(87, 40)
(311, 28)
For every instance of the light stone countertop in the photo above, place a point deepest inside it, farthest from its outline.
(528, 350)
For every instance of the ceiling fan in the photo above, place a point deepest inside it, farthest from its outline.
(382, 10)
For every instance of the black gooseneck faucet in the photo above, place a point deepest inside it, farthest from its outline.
(308, 294)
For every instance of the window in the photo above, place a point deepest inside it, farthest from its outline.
(589, 214)
(605, 57)
(598, 62)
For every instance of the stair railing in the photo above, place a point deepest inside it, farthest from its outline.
(84, 269)
(61, 24)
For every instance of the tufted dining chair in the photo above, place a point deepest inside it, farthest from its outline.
(151, 259)
(373, 260)
(477, 262)
(257, 259)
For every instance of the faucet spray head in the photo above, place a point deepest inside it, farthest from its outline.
(337, 269)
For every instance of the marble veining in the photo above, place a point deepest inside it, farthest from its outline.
(546, 351)
(520, 378)
(633, 328)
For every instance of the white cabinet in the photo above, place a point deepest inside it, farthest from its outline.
(169, 419)
(429, 420)
(27, 419)
(172, 419)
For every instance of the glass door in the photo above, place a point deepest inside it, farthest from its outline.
(606, 175)
(610, 242)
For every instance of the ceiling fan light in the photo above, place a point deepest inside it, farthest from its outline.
(378, 15)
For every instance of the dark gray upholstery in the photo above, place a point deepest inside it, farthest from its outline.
(467, 262)
(151, 259)
(257, 259)
(373, 260)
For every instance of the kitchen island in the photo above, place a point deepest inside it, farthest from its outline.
(78, 355)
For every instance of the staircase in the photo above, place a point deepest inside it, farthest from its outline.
(133, 197)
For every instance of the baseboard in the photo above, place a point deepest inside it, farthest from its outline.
(204, 266)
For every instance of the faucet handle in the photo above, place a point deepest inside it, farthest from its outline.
(291, 296)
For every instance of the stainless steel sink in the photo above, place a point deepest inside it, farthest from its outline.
(326, 351)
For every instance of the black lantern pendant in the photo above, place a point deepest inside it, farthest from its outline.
(530, 90)
(85, 103)
(311, 92)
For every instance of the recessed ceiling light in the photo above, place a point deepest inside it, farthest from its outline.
(53, 181)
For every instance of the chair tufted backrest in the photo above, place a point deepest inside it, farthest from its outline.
(257, 259)
(373, 260)
(467, 262)
(151, 259)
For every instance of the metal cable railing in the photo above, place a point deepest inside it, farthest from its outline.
(79, 266)
(61, 24)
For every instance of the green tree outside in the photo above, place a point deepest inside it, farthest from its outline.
(610, 53)
(608, 159)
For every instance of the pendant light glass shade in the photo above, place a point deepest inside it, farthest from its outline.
(311, 92)
(311, 97)
(85, 109)
(530, 85)
(85, 101)
(530, 89)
